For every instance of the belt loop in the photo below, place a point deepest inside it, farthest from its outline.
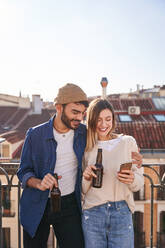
(117, 205)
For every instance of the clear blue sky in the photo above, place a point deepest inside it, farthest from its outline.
(45, 44)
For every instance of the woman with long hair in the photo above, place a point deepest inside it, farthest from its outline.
(107, 211)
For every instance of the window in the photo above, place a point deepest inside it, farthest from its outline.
(8, 209)
(139, 238)
(1, 140)
(139, 195)
(5, 201)
(125, 118)
(162, 221)
(5, 151)
(159, 102)
(160, 117)
(6, 237)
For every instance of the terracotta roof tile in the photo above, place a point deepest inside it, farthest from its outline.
(14, 137)
(34, 120)
(123, 104)
(6, 112)
(148, 135)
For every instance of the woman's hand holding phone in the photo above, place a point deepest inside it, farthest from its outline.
(126, 175)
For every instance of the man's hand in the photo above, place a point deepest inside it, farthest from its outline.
(46, 183)
(137, 159)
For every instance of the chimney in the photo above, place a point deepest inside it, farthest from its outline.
(36, 104)
(104, 83)
(138, 88)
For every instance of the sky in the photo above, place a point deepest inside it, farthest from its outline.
(46, 44)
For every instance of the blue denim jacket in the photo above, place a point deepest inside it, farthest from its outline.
(38, 158)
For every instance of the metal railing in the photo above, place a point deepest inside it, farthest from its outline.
(160, 185)
(9, 185)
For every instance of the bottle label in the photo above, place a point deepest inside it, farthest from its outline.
(97, 182)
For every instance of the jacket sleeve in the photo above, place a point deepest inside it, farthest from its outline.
(25, 171)
(85, 183)
(138, 172)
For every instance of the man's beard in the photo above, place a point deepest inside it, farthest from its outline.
(67, 121)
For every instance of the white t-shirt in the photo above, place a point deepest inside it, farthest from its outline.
(66, 161)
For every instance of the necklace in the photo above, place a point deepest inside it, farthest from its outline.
(60, 130)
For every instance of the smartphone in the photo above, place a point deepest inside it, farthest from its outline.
(125, 166)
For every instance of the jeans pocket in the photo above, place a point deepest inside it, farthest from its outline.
(124, 210)
(93, 219)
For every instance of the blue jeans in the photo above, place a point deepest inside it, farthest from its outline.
(108, 226)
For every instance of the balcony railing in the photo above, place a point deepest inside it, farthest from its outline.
(8, 207)
(11, 168)
(159, 185)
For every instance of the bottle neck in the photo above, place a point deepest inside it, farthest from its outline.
(56, 177)
(99, 157)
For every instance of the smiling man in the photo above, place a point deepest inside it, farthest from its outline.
(54, 147)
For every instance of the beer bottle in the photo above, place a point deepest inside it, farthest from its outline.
(55, 197)
(97, 182)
